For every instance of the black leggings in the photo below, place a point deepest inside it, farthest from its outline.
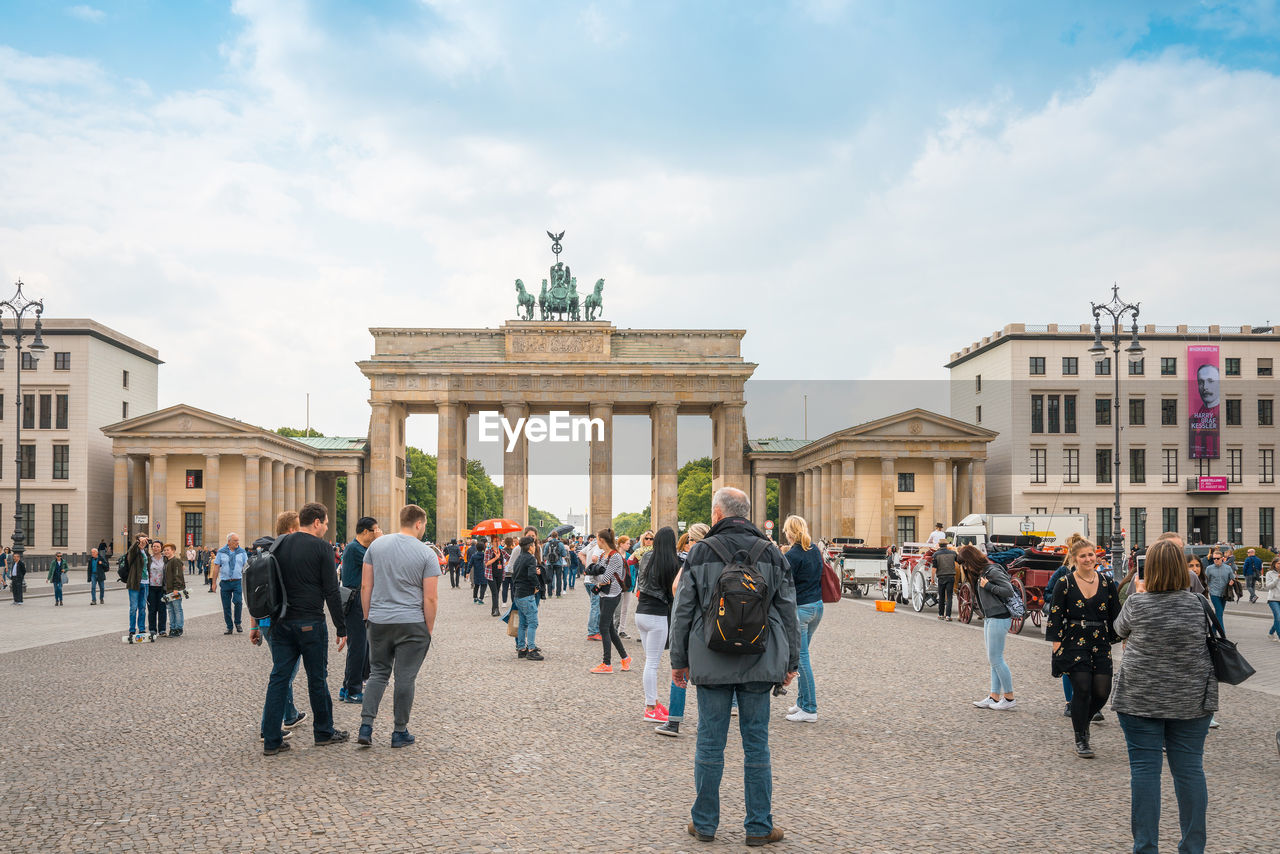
(608, 631)
(493, 595)
(478, 585)
(1089, 693)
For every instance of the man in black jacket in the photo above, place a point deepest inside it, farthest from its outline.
(310, 584)
(453, 553)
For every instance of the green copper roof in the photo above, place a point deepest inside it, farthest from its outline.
(335, 443)
(777, 446)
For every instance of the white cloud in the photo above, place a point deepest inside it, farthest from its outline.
(87, 13)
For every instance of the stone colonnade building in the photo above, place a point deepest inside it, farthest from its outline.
(192, 477)
(533, 367)
(886, 481)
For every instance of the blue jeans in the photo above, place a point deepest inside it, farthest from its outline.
(57, 591)
(1275, 617)
(809, 616)
(714, 702)
(230, 594)
(175, 615)
(290, 710)
(1067, 690)
(593, 616)
(1148, 739)
(138, 610)
(571, 575)
(557, 575)
(675, 703)
(98, 588)
(528, 608)
(291, 641)
(995, 631)
(1219, 603)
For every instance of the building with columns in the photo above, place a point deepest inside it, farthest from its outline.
(885, 481)
(191, 477)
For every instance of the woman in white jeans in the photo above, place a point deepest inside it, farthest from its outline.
(657, 574)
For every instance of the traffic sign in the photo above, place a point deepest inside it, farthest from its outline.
(768, 525)
(140, 520)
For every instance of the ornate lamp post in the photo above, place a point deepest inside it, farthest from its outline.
(18, 305)
(1116, 310)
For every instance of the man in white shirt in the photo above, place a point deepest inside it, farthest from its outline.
(937, 536)
(588, 556)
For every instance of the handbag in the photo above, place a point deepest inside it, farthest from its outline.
(1228, 664)
(513, 622)
(830, 584)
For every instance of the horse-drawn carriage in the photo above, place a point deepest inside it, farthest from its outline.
(861, 567)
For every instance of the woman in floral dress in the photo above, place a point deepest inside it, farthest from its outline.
(1082, 628)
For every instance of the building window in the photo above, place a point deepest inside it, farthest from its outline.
(1037, 366)
(977, 383)
(1104, 525)
(28, 412)
(1168, 412)
(124, 410)
(906, 529)
(1137, 411)
(1266, 465)
(1102, 411)
(1204, 467)
(1234, 412)
(1233, 367)
(193, 527)
(1170, 466)
(1137, 367)
(1267, 527)
(977, 413)
(1102, 367)
(1264, 367)
(59, 526)
(61, 462)
(906, 482)
(1266, 412)
(1070, 366)
(1168, 366)
(1, 400)
(1071, 511)
(1202, 525)
(1235, 525)
(46, 411)
(62, 361)
(1055, 415)
(1102, 465)
(28, 524)
(1039, 463)
(1169, 519)
(1068, 413)
(28, 362)
(124, 379)
(1071, 465)
(27, 462)
(195, 478)
(1235, 465)
(1137, 465)
(1037, 413)
(1138, 526)
(62, 404)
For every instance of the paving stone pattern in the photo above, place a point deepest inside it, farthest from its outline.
(114, 747)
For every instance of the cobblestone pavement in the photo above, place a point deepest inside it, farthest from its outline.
(114, 747)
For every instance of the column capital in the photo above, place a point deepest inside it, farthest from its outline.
(253, 456)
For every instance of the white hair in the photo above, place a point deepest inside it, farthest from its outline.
(731, 502)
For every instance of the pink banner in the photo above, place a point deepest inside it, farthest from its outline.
(1212, 483)
(1203, 400)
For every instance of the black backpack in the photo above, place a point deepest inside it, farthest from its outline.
(264, 593)
(122, 569)
(737, 620)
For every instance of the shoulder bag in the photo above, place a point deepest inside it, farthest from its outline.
(1228, 664)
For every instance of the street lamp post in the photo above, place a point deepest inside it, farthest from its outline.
(1116, 310)
(18, 305)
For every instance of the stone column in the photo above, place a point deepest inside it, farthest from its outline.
(964, 481)
(290, 487)
(461, 445)
(848, 501)
(253, 527)
(941, 502)
(728, 443)
(665, 469)
(266, 498)
(213, 501)
(310, 486)
(277, 490)
(515, 468)
(759, 499)
(160, 496)
(120, 504)
(830, 519)
(978, 487)
(601, 469)
(299, 486)
(801, 495)
(786, 497)
(815, 499)
(353, 505)
(448, 523)
(888, 500)
(382, 468)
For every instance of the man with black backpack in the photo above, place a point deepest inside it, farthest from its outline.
(734, 632)
(553, 557)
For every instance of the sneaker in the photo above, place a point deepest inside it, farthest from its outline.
(342, 693)
(1098, 718)
(1066, 710)
(365, 737)
(985, 703)
(534, 655)
(284, 736)
(402, 739)
(803, 717)
(1004, 705)
(521, 653)
(353, 699)
(601, 668)
(1213, 722)
(593, 637)
(793, 709)
(701, 837)
(339, 736)
(623, 635)
(775, 835)
(655, 714)
(625, 664)
(670, 728)
(284, 747)
(665, 710)
(227, 632)
(290, 724)
(1083, 750)
(239, 629)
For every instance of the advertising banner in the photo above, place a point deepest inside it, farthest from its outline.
(1212, 483)
(1203, 400)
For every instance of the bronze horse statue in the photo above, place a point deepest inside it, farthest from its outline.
(594, 303)
(524, 302)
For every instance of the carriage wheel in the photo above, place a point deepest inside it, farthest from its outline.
(964, 596)
(1015, 626)
(886, 585)
(917, 591)
(1035, 618)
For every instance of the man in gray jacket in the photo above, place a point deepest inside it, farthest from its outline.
(719, 676)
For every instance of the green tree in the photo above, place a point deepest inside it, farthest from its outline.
(419, 489)
(484, 497)
(771, 502)
(295, 433)
(631, 524)
(693, 491)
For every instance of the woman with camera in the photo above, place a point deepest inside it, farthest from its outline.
(524, 594)
(609, 587)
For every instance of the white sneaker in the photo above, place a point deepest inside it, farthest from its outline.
(1004, 705)
(793, 710)
(1213, 722)
(985, 703)
(803, 717)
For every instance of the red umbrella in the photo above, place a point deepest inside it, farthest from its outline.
(496, 527)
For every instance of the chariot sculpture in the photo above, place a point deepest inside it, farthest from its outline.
(559, 299)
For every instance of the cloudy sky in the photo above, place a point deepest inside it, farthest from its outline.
(864, 186)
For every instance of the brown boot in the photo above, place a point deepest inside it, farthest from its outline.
(701, 837)
(775, 835)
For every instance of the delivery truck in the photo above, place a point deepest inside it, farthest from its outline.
(978, 529)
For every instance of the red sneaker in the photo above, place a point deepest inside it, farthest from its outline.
(593, 637)
(625, 664)
(658, 714)
(601, 668)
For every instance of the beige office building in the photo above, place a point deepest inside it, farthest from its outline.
(89, 376)
(1055, 411)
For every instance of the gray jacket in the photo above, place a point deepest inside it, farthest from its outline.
(993, 595)
(693, 597)
(1166, 671)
